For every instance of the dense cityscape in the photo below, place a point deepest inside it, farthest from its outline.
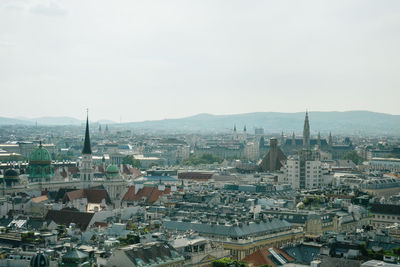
(100, 195)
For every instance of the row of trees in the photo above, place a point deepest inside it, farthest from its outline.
(203, 159)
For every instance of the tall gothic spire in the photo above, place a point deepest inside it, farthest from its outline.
(319, 139)
(293, 139)
(86, 146)
(306, 132)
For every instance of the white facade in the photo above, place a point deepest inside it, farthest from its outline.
(292, 171)
(391, 164)
(303, 177)
(251, 151)
(313, 174)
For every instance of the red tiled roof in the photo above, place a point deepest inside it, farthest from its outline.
(147, 193)
(100, 224)
(92, 195)
(132, 171)
(73, 170)
(262, 257)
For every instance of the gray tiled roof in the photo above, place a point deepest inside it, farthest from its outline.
(229, 230)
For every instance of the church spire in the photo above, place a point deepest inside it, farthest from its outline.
(86, 146)
(293, 139)
(319, 140)
(306, 132)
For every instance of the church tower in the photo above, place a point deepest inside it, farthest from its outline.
(106, 132)
(235, 137)
(244, 134)
(86, 168)
(319, 140)
(306, 133)
(330, 142)
(293, 139)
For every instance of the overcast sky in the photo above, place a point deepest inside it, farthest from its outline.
(142, 60)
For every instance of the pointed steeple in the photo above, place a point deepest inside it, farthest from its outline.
(244, 129)
(86, 146)
(306, 132)
(330, 142)
(319, 140)
(293, 139)
(234, 127)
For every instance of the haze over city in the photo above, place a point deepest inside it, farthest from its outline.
(146, 60)
(212, 133)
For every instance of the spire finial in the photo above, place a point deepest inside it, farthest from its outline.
(40, 144)
(86, 146)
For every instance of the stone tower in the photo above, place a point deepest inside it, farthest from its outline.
(293, 139)
(86, 168)
(306, 133)
(319, 140)
(244, 134)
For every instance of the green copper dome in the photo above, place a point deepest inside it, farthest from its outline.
(40, 168)
(112, 171)
(40, 156)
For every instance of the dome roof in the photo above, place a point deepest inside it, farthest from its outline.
(40, 260)
(40, 156)
(112, 169)
(10, 173)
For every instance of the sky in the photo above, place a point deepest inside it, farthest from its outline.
(146, 60)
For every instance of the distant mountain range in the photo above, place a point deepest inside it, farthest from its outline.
(348, 122)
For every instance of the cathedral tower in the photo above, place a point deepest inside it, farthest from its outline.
(306, 133)
(86, 168)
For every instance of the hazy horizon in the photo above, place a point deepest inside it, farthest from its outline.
(141, 60)
(203, 113)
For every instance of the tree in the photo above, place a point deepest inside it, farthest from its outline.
(353, 156)
(130, 160)
(227, 262)
(129, 240)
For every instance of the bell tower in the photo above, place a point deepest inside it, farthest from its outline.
(86, 168)
(306, 133)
